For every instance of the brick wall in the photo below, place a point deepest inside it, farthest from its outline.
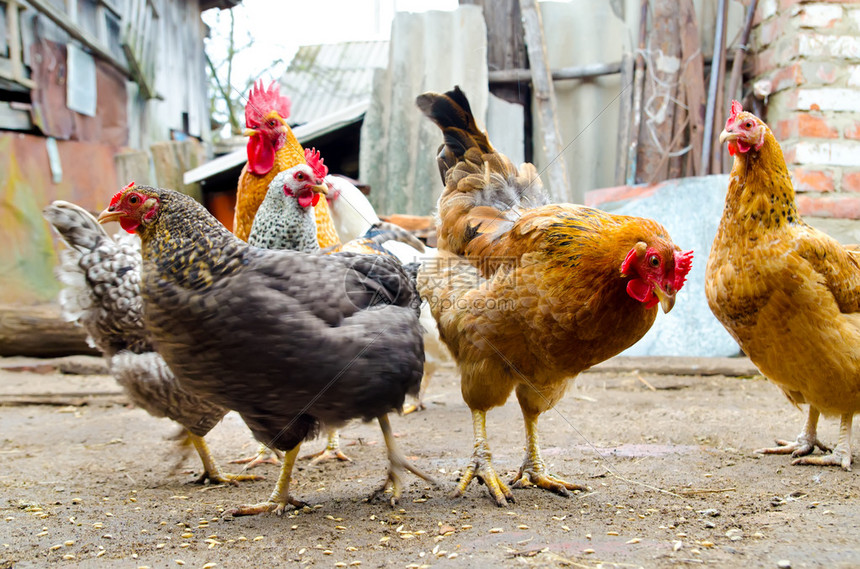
(807, 68)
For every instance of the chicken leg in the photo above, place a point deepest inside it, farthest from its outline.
(211, 472)
(265, 455)
(397, 464)
(331, 451)
(533, 472)
(806, 441)
(841, 454)
(280, 496)
(482, 465)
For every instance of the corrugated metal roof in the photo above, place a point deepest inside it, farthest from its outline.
(323, 79)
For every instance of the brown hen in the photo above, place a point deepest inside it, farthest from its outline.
(788, 293)
(528, 294)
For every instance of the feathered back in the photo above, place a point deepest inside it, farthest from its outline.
(101, 278)
(484, 192)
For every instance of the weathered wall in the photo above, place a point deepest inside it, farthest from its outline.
(27, 255)
(806, 69)
(430, 51)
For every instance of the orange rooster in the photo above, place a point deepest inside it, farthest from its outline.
(272, 148)
(527, 295)
(788, 293)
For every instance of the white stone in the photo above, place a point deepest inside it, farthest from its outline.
(829, 99)
(768, 8)
(819, 15)
(817, 45)
(854, 16)
(832, 153)
(854, 77)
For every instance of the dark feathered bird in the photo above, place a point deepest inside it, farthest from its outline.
(290, 340)
(101, 278)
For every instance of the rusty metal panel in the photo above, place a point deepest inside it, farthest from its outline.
(27, 254)
(109, 126)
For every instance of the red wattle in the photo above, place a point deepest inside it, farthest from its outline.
(639, 290)
(129, 224)
(316, 199)
(307, 199)
(261, 155)
(733, 149)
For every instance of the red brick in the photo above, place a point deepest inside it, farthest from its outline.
(815, 127)
(804, 125)
(771, 30)
(851, 182)
(789, 152)
(812, 180)
(787, 77)
(765, 61)
(836, 206)
(852, 131)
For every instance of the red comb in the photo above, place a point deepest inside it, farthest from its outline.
(116, 196)
(683, 264)
(261, 101)
(736, 108)
(312, 157)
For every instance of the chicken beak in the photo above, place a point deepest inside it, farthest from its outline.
(107, 216)
(321, 189)
(249, 132)
(667, 299)
(726, 135)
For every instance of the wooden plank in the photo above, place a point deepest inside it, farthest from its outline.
(544, 94)
(39, 331)
(716, 63)
(14, 119)
(717, 153)
(79, 34)
(564, 73)
(655, 135)
(693, 80)
(625, 107)
(638, 87)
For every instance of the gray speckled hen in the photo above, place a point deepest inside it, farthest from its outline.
(101, 278)
(287, 339)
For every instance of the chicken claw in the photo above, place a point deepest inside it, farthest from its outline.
(482, 465)
(265, 455)
(841, 454)
(330, 452)
(277, 507)
(397, 465)
(211, 472)
(280, 497)
(529, 476)
(482, 468)
(806, 440)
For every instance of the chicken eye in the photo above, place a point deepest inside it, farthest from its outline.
(300, 176)
(654, 261)
(748, 124)
(133, 200)
(272, 123)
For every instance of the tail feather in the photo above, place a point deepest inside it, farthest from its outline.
(77, 227)
(484, 192)
(452, 113)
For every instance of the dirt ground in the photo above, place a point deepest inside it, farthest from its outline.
(88, 481)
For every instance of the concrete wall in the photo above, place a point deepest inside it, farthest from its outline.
(430, 51)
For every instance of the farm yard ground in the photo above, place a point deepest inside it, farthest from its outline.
(88, 481)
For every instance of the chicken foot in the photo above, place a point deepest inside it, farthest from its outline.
(211, 472)
(265, 455)
(806, 441)
(841, 454)
(330, 452)
(397, 464)
(533, 472)
(280, 496)
(482, 465)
